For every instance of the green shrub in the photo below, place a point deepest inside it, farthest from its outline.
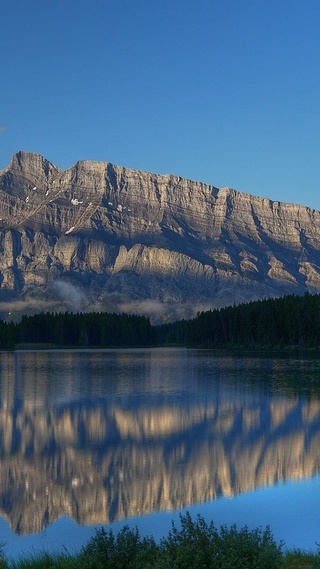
(126, 550)
(199, 545)
(43, 561)
(297, 559)
(194, 545)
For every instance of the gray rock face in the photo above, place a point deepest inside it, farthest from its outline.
(99, 236)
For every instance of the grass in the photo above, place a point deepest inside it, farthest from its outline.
(194, 545)
(298, 559)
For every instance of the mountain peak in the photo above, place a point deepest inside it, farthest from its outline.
(23, 160)
(100, 236)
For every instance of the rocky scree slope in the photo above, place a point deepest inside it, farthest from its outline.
(102, 237)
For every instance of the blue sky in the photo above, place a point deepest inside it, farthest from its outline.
(221, 91)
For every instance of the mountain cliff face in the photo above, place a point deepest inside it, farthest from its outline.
(99, 236)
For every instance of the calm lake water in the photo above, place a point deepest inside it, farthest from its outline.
(114, 437)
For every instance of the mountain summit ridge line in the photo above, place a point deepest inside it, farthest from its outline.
(103, 237)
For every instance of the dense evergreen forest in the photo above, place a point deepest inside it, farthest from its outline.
(290, 321)
(69, 329)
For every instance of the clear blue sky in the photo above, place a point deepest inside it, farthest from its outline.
(221, 91)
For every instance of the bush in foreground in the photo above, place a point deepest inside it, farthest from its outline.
(194, 545)
(198, 544)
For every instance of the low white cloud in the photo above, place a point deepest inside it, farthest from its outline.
(162, 312)
(28, 306)
(64, 296)
(71, 295)
(61, 296)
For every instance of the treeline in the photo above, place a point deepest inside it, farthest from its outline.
(290, 321)
(69, 329)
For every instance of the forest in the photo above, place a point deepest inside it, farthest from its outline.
(287, 322)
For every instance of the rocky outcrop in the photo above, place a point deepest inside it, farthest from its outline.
(99, 236)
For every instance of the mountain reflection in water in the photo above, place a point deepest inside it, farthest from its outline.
(100, 436)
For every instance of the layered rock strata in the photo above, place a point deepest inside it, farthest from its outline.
(99, 236)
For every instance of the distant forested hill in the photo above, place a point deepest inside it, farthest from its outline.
(291, 321)
(68, 329)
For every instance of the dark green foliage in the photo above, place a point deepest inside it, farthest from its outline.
(195, 545)
(198, 544)
(7, 337)
(298, 559)
(43, 561)
(288, 322)
(126, 550)
(82, 330)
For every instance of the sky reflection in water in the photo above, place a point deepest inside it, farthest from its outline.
(135, 436)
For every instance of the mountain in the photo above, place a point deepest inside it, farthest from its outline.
(103, 237)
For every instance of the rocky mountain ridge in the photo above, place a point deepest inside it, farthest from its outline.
(99, 236)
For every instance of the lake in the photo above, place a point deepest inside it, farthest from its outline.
(113, 437)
